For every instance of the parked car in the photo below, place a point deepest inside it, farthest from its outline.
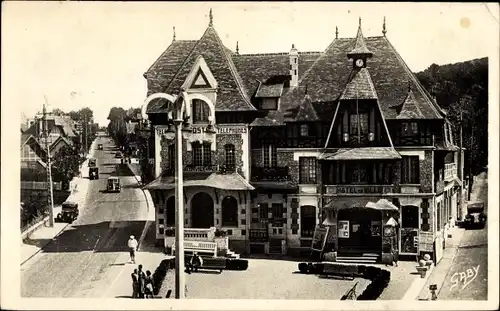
(118, 155)
(113, 184)
(99, 147)
(69, 212)
(475, 215)
(93, 173)
(92, 162)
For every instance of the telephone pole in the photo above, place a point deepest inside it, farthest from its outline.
(50, 196)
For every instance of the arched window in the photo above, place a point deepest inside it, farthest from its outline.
(201, 111)
(229, 212)
(202, 155)
(230, 157)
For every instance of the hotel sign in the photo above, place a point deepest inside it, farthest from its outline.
(209, 168)
(359, 189)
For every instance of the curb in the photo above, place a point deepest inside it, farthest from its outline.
(417, 286)
(41, 248)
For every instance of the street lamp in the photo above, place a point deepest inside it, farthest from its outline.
(179, 127)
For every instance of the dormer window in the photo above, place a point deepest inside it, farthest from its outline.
(269, 104)
(201, 111)
(409, 128)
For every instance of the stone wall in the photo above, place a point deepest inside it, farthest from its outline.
(426, 172)
(285, 159)
(237, 141)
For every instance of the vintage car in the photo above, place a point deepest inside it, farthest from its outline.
(69, 212)
(118, 155)
(92, 162)
(475, 218)
(93, 173)
(99, 147)
(113, 184)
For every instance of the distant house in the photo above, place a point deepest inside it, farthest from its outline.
(56, 126)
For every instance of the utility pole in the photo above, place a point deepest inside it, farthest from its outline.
(461, 168)
(50, 196)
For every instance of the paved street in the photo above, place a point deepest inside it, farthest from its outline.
(468, 276)
(87, 257)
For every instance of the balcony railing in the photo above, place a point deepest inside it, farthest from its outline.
(39, 185)
(270, 173)
(450, 171)
(359, 189)
(259, 235)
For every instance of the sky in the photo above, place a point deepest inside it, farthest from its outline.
(94, 54)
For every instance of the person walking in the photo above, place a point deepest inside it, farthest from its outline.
(142, 279)
(148, 290)
(395, 256)
(135, 284)
(132, 246)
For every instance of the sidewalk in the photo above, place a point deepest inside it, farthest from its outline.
(41, 237)
(440, 271)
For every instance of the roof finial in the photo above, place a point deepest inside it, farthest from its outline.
(174, 34)
(237, 48)
(384, 30)
(360, 21)
(336, 32)
(211, 23)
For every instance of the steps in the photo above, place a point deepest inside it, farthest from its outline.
(358, 258)
(232, 255)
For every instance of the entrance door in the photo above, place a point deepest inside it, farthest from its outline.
(307, 221)
(359, 230)
(202, 210)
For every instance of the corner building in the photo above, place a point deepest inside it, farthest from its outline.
(284, 142)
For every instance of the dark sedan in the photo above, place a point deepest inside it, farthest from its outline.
(475, 215)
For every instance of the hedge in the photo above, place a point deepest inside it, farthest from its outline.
(160, 273)
(379, 277)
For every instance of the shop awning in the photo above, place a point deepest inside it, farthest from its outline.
(368, 153)
(360, 202)
(232, 181)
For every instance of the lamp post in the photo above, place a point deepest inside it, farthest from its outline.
(177, 109)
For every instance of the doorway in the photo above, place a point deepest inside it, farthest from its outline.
(359, 230)
(202, 210)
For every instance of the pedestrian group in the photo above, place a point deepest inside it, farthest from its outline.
(142, 283)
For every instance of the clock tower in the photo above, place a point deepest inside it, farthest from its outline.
(360, 53)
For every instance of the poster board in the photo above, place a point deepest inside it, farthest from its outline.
(319, 238)
(426, 241)
(343, 229)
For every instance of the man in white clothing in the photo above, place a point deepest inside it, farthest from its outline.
(132, 245)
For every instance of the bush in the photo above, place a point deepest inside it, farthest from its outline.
(303, 267)
(318, 268)
(236, 264)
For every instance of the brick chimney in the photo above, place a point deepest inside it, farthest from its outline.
(294, 66)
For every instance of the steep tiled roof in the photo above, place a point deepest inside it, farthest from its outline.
(170, 61)
(24, 138)
(260, 67)
(231, 93)
(273, 90)
(329, 75)
(306, 112)
(232, 181)
(360, 86)
(409, 108)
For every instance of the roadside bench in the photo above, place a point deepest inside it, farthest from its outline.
(217, 263)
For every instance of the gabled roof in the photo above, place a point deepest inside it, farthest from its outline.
(64, 139)
(306, 111)
(360, 86)
(231, 93)
(24, 138)
(409, 109)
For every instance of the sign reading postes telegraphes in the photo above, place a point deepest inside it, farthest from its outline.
(343, 227)
(221, 129)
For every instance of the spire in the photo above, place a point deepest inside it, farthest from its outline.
(336, 32)
(174, 35)
(211, 22)
(237, 48)
(360, 48)
(384, 30)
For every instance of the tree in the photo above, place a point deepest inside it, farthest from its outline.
(462, 88)
(116, 127)
(66, 165)
(58, 112)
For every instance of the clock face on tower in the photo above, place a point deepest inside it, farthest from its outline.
(359, 63)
